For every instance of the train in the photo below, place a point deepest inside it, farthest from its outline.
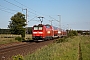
(43, 32)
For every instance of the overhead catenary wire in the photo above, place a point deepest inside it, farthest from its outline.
(19, 6)
(33, 18)
(34, 12)
(3, 7)
(12, 4)
(6, 11)
(24, 5)
(30, 9)
(53, 18)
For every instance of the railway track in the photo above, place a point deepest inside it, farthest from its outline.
(7, 49)
(22, 49)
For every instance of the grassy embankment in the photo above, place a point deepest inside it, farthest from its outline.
(9, 38)
(85, 47)
(67, 50)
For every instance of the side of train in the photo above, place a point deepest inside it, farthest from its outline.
(46, 32)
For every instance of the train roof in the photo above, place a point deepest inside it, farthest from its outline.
(42, 25)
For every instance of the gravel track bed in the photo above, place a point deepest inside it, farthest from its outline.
(6, 52)
(11, 44)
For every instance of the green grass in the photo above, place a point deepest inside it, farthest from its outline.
(85, 47)
(66, 50)
(57, 51)
(7, 40)
(10, 38)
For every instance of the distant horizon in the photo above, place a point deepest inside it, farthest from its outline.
(63, 29)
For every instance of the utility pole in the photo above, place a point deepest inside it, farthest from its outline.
(51, 22)
(41, 19)
(59, 21)
(68, 26)
(26, 30)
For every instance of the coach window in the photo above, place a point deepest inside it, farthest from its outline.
(35, 28)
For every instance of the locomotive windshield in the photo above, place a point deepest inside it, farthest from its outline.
(37, 28)
(40, 28)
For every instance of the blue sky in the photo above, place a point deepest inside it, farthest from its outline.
(74, 14)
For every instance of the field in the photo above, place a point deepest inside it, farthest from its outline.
(75, 48)
(9, 38)
(85, 47)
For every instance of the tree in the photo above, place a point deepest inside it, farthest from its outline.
(17, 24)
(72, 33)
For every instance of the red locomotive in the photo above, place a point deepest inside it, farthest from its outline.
(42, 32)
(45, 32)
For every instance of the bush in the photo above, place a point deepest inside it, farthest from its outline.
(61, 40)
(18, 57)
(18, 38)
(72, 33)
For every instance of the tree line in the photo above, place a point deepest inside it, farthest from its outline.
(7, 31)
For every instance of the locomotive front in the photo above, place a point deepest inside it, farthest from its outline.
(42, 32)
(37, 32)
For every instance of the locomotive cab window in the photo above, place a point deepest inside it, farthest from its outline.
(40, 28)
(35, 28)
